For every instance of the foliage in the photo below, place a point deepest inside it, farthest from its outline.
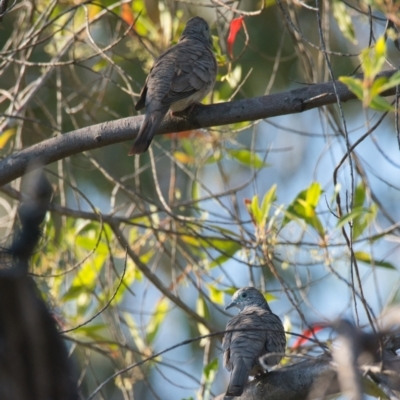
(369, 89)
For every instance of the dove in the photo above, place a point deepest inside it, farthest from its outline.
(182, 76)
(251, 334)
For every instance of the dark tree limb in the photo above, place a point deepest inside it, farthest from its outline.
(360, 362)
(111, 132)
(294, 382)
(313, 379)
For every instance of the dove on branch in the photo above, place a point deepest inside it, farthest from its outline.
(181, 76)
(251, 334)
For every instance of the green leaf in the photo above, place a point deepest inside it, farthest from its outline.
(248, 158)
(313, 193)
(342, 16)
(377, 85)
(156, 320)
(210, 369)
(92, 331)
(357, 211)
(380, 104)
(364, 221)
(355, 85)
(86, 279)
(255, 210)
(202, 308)
(100, 65)
(216, 295)
(373, 59)
(270, 297)
(393, 81)
(303, 208)
(369, 90)
(135, 332)
(91, 243)
(209, 373)
(359, 195)
(259, 215)
(225, 246)
(203, 311)
(360, 215)
(380, 48)
(366, 258)
(231, 290)
(131, 274)
(268, 199)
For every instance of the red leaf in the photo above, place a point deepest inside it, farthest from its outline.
(234, 28)
(247, 203)
(307, 334)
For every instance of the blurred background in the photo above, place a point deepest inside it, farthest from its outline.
(131, 239)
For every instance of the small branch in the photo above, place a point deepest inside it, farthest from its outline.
(111, 132)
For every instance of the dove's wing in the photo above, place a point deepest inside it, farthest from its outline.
(276, 339)
(142, 99)
(195, 71)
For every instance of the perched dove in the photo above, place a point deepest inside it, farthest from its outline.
(258, 332)
(181, 76)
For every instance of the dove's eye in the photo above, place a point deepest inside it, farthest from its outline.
(244, 295)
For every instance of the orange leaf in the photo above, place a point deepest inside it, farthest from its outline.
(234, 28)
(127, 14)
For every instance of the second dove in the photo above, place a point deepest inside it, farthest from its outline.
(253, 333)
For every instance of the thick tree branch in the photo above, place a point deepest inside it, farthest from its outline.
(106, 133)
(295, 382)
(316, 378)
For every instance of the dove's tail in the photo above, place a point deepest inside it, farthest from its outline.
(238, 379)
(147, 131)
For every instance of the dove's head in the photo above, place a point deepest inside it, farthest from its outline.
(248, 296)
(197, 28)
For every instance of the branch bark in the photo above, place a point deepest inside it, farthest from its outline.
(295, 382)
(316, 378)
(111, 132)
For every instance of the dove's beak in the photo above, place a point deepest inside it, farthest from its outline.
(233, 304)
